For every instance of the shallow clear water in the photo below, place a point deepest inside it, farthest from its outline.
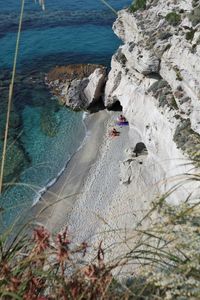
(44, 134)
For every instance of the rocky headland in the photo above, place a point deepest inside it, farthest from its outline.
(78, 86)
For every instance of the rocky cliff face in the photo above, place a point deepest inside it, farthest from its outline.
(78, 86)
(155, 77)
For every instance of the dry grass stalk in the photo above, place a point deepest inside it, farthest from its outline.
(10, 96)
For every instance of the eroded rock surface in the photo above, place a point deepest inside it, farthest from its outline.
(155, 77)
(78, 86)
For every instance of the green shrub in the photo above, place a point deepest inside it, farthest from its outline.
(174, 103)
(190, 35)
(173, 18)
(178, 74)
(138, 4)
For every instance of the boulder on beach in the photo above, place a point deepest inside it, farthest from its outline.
(79, 86)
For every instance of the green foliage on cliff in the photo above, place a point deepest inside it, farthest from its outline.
(138, 4)
(178, 74)
(190, 35)
(173, 18)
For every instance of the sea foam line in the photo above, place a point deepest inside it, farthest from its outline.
(40, 192)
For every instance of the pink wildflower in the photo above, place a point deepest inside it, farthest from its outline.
(41, 237)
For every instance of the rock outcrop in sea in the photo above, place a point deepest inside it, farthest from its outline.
(78, 86)
(155, 77)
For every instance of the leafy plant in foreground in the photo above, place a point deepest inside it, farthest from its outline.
(167, 255)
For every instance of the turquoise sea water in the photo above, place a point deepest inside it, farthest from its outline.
(44, 135)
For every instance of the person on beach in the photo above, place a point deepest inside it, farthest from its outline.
(122, 119)
(114, 133)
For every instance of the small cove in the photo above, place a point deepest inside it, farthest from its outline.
(44, 134)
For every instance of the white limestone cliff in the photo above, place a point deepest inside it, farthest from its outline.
(155, 77)
(93, 91)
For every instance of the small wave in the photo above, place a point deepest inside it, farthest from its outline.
(85, 115)
(49, 184)
(53, 181)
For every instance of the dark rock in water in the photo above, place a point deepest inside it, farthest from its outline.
(16, 160)
(79, 86)
(49, 121)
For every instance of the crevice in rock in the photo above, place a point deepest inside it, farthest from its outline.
(187, 140)
(96, 106)
(115, 106)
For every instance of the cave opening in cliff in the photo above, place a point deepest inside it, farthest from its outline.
(116, 106)
(140, 149)
(96, 106)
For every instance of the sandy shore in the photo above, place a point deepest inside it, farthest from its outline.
(56, 204)
(102, 187)
(108, 210)
(91, 200)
